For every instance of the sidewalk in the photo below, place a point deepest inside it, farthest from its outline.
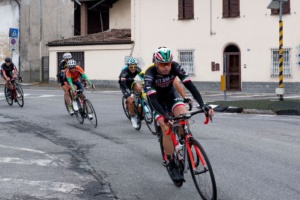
(236, 102)
(260, 104)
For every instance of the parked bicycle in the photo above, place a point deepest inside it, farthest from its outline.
(190, 155)
(16, 93)
(142, 110)
(83, 108)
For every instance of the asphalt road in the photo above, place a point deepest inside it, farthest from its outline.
(47, 154)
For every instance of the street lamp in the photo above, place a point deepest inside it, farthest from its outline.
(277, 4)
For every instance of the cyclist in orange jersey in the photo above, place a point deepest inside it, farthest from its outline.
(71, 79)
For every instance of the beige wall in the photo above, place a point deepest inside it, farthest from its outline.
(255, 32)
(102, 62)
(119, 15)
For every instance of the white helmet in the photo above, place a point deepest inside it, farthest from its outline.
(71, 64)
(67, 56)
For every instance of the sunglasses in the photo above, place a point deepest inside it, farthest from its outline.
(72, 67)
(132, 66)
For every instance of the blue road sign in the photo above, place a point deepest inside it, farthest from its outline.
(14, 32)
(298, 63)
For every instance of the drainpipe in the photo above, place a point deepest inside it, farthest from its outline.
(19, 35)
(211, 31)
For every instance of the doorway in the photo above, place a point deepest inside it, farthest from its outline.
(232, 60)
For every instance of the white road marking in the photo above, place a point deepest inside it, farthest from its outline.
(61, 162)
(39, 162)
(45, 185)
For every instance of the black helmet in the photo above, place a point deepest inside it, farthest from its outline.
(7, 59)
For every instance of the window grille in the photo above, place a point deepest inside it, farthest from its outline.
(287, 72)
(186, 60)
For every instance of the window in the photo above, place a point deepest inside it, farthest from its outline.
(185, 9)
(287, 72)
(231, 8)
(286, 8)
(186, 60)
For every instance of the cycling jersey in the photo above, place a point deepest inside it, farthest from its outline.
(61, 68)
(126, 79)
(72, 77)
(8, 69)
(160, 87)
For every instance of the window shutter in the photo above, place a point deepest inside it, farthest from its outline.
(286, 8)
(189, 9)
(180, 9)
(225, 8)
(234, 8)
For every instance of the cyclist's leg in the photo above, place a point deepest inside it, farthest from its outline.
(178, 107)
(78, 85)
(66, 89)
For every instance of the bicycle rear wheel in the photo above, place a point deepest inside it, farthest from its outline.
(124, 105)
(19, 95)
(165, 162)
(90, 111)
(8, 95)
(80, 114)
(202, 174)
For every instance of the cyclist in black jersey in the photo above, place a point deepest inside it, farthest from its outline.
(164, 98)
(128, 85)
(8, 71)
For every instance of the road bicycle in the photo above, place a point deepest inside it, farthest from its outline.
(83, 108)
(142, 110)
(192, 156)
(16, 94)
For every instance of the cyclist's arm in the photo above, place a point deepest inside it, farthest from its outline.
(179, 88)
(85, 77)
(189, 85)
(123, 85)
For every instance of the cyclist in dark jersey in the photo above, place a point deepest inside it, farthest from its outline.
(164, 98)
(128, 85)
(7, 70)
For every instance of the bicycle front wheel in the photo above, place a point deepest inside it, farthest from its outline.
(8, 95)
(19, 95)
(80, 114)
(201, 171)
(90, 111)
(138, 117)
(124, 105)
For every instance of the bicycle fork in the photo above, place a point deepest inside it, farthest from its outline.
(188, 152)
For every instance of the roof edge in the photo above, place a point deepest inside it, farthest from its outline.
(88, 43)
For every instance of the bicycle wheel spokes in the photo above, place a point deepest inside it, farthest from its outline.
(124, 105)
(19, 96)
(201, 171)
(90, 111)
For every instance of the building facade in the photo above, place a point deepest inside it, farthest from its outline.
(208, 37)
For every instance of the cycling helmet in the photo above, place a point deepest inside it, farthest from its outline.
(71, 64)
(7, 59)
(163, 55)
(67, 56)
(131, 61)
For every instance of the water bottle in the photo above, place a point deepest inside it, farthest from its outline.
(179, 151)
(147, 112)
